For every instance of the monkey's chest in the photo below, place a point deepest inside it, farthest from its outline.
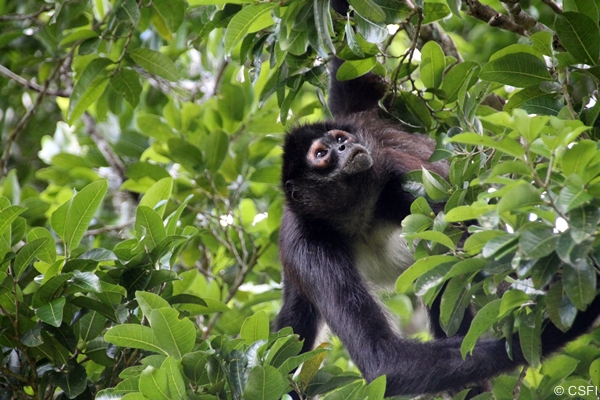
(383, 256)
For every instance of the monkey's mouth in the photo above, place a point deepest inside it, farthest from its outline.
(358, 161)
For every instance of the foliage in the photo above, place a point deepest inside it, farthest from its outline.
(139, 207)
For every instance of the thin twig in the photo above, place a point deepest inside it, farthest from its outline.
(113, 159)
(25, 17)
(492, 17)
(32, 85)
(239, 279)
(555, 7)
(110, 228)
(23, 122)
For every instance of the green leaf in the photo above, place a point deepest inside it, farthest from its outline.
(155, 63)
(437, 188)
(561, 310)
(595, 372)
(537, 241)
(529, 126)
(324, 24)
(153, 126)
(434, 11)
(311, 367)
(126, 82)
(216, 147)
(433, 63)
(517, 48)
(544, 269)
(78, 35)
(416, 223)
(282, 349)
(194, 365)
(510, 300)
(175, 336)
(588, 7)
(542, 42)
(255, 327)
(484, 319)
(576, 158)
(457, 76)
(171, 11)
(465, 267)
(135, 336)
(264, 383)
(465, 213)
(173, 219)
(455, 7)
(46, 254)
(427, 284)
(352, 41)
(518, 69)
(583, 222)
(352, 69)
(154, 384)
(176, 383)
(368, 9)
(88, 88)
(185, 153)
(579, 281)
(150, 301)
(521, 195)
(417, 107)
(72, 219)
(270, 174)
(405, 281)
(50, 290)
(295, 43)
(242, 21)
(159, 192)
(475, 243)
(52, 313)
(526, 96)
(529, 337)
(506, 145)
(149, 224)
(579, 34)
(27, 253)
(572, 196)
(453, 303)
(498, 245)
(434, 236)
(73, 381)
(294, 361)
(376, 389)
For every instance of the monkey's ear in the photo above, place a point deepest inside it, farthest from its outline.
(291, 189)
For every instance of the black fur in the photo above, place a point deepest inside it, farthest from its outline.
(331, 216)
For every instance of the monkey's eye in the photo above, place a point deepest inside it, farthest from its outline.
(340, 139)
(320, 153)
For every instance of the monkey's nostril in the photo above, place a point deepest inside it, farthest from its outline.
(342, 147)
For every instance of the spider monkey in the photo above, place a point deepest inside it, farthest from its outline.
(340, 238)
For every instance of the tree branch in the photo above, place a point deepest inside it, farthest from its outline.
(521, 18)
(555, 7)
(23, 122)
(492, 17)
(113, 160)
(32, 85)
(25, 17)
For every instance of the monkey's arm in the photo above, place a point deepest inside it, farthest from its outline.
(322, 264)
(355, 95)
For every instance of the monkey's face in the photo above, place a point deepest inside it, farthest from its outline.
(338, 152)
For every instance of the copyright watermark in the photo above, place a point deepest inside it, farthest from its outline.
(583, 390)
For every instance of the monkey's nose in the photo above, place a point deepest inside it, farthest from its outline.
(342, 147)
